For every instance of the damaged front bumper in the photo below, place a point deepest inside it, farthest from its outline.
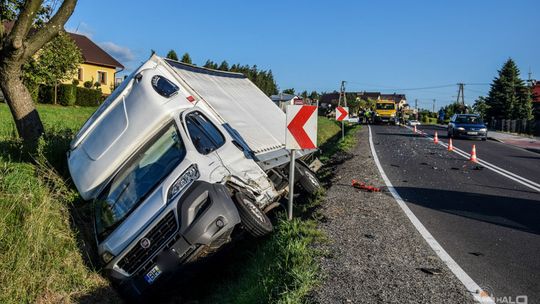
(200, 222)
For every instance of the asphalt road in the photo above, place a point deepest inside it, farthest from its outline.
(488, 223)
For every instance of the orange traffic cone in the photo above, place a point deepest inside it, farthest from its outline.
(436, 138)
(473, 154)
(450, 146)
(415, 131)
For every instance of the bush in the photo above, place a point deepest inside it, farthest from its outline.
(67, 94)
(75, 82)
(46, 94)
(88, 97)
(88, 84)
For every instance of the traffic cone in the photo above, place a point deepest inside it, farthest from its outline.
(415, 131)
(473, 154)
(436, 138)
(450, 146)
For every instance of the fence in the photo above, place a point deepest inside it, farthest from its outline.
(522, 126)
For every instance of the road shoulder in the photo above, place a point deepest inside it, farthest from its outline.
(373, 252)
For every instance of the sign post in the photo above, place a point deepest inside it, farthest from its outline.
(301, 133)
(342, 114)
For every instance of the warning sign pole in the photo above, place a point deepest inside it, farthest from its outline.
(291, 185)
(301, 133)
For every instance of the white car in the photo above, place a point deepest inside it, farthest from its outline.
(413, 123)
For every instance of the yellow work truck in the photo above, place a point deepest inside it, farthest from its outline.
(385, 112)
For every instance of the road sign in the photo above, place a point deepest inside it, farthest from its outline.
(301, 127)
(342, 113)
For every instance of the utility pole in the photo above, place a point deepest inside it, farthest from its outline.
(433, 105)
(342, 93)
(462, 95)
(416, 109)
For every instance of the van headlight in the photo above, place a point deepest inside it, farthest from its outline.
(461, 129)
(187, 178)
(107, 257)
(483, 130)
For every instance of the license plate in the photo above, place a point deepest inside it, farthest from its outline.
(152, 275)
(472, 133)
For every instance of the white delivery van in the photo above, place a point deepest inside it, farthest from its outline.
(174, 160)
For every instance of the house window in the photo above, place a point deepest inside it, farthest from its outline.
(80, 74)
(102, 77)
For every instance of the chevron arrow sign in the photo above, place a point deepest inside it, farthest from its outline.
(301, 127)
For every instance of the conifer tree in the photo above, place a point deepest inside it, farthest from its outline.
(509, 97)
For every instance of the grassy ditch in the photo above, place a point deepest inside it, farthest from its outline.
(284, 267)
(40, 256)
(45, 256)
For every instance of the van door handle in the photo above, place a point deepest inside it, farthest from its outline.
(238, 145)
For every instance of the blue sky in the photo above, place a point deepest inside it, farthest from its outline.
(313, 45)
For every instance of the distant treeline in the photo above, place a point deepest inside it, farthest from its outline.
(261, 78)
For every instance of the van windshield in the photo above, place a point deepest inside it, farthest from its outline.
(385, 106)
(146, 169)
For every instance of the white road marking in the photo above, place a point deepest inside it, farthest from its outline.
(465, 279)
(517, 178)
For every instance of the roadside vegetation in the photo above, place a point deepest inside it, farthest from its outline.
(45, 255)
(284, 268)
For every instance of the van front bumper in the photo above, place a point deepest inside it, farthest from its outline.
(205, 216)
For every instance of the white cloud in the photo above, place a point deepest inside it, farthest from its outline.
(82, 29)
(120, 53)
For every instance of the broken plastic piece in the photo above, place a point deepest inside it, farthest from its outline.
(363, 186)
(432, 271)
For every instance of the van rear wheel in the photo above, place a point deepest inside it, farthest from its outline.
(254, 220)
(308, 180)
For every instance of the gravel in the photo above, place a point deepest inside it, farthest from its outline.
(373, 254)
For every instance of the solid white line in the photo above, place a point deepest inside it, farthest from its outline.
(465, 279)
(517, 178)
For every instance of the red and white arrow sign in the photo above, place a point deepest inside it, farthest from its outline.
(342, 113)
(301, 127)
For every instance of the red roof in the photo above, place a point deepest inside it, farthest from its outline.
(536, 92)
(90, 51)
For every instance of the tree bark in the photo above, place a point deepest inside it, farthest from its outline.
(21, 105)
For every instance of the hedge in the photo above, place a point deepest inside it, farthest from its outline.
(69, 95)
(88, 97)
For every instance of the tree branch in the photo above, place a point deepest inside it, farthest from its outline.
(23, 23)
(50, 29)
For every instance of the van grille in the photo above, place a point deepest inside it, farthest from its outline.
(136, 257)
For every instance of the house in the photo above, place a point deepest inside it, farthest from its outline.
(282, 100)
(333, 98)
(536, 99)
(97, 66)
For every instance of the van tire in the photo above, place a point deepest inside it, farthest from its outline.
(308, 180)
(254, 220)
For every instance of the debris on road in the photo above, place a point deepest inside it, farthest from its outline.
(363, 186)
(476, 253)
(432, 271)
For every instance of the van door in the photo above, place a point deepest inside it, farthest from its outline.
(231, 153)
(205, 145)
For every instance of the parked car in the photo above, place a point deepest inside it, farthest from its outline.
(176, 159)
(467, 125)
(413, 123)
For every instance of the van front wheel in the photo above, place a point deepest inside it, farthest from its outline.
(254, 220)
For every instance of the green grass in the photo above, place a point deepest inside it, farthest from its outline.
(40, 260)
(54, 118)
(43, 256)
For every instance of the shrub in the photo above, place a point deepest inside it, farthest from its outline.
(67, 94)
(88, 97)
(46, 94)
(88, 84)
(75, 82)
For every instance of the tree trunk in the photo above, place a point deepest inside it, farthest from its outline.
(19, 100)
